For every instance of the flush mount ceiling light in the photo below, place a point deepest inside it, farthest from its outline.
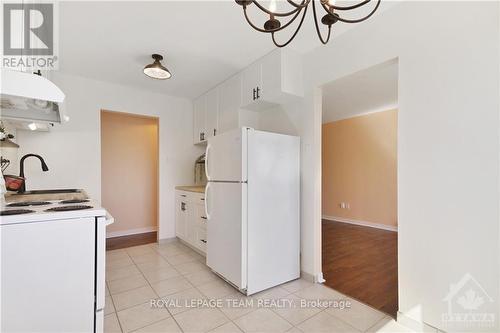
(332, 16)
(156, 70)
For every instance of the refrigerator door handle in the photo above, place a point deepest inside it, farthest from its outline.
(207, 161)
(206, 201)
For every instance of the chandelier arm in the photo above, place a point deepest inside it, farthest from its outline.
(272, 30)
(324, 41)
(361, 19)
(291, 2)
(294, 34)
(265, 10)
(362, 3)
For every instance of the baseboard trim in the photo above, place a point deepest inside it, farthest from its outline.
(361, 223)
(130, 232)
(318, 278)
(167, 240)
(414, 325)
(306, 276)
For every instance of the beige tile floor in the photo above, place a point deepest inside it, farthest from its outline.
(173, 273)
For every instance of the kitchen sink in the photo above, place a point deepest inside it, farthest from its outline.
(70, 190)
(47, 195)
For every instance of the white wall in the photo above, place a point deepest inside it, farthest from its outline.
(73, 151)
(448, 144)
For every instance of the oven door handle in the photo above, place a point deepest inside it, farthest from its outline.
(100, 273)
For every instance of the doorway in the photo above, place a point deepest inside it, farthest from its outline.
(129, 177)
(359, 186)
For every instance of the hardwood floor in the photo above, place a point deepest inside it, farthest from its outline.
(361, 262)
(130, 240)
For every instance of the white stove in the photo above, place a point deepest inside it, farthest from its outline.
(31, 211)
(52, 266)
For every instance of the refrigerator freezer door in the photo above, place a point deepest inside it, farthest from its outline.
(226, 227)
(226, 156)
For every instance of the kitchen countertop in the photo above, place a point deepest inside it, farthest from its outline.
(197, 189)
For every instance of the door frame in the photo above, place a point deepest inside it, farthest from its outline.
(157, 176)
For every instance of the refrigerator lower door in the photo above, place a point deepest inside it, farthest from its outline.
(226, 156)
(226, 227)
(273, 210)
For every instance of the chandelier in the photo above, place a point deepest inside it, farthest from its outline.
(331, 16)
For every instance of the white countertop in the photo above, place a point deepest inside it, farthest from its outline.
(192, 188)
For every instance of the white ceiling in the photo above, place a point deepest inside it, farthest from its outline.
(203, 42)
(370, 90)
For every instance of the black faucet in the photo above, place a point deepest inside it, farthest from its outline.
(22, 189)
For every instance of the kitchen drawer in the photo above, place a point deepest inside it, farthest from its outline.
(182, 195)
(201, 218)
(198, 197)
(202, 239)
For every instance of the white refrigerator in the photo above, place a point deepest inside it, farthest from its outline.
(252, 201)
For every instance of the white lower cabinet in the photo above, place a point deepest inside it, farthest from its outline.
(190, 219)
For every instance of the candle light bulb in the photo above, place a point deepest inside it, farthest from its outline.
(272, 6)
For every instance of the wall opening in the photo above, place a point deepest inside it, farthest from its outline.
(129, 173)
(359, 186)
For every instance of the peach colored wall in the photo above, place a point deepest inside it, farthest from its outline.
(129, 170)
(359, 167)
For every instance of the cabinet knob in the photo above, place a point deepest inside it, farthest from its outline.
(253, 94)
(215, 131)
(258, 92)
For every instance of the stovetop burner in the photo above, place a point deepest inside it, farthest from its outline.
(28, 203)
(15, 212)
(68, 208)
(74, 201)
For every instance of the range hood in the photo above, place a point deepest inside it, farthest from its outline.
(28, 99)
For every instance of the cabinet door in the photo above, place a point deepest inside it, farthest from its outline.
(252, 84)
(181, 207)
(271, 76)
(199, 119)
(192, 225)
(229, 103)
(211, 114)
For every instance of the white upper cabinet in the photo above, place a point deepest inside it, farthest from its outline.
(251, 87)
(199, 119)
(212, 113)
(274, 79)
(230, 101)
(205, 116)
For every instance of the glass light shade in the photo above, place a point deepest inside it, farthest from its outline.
(156, 70)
